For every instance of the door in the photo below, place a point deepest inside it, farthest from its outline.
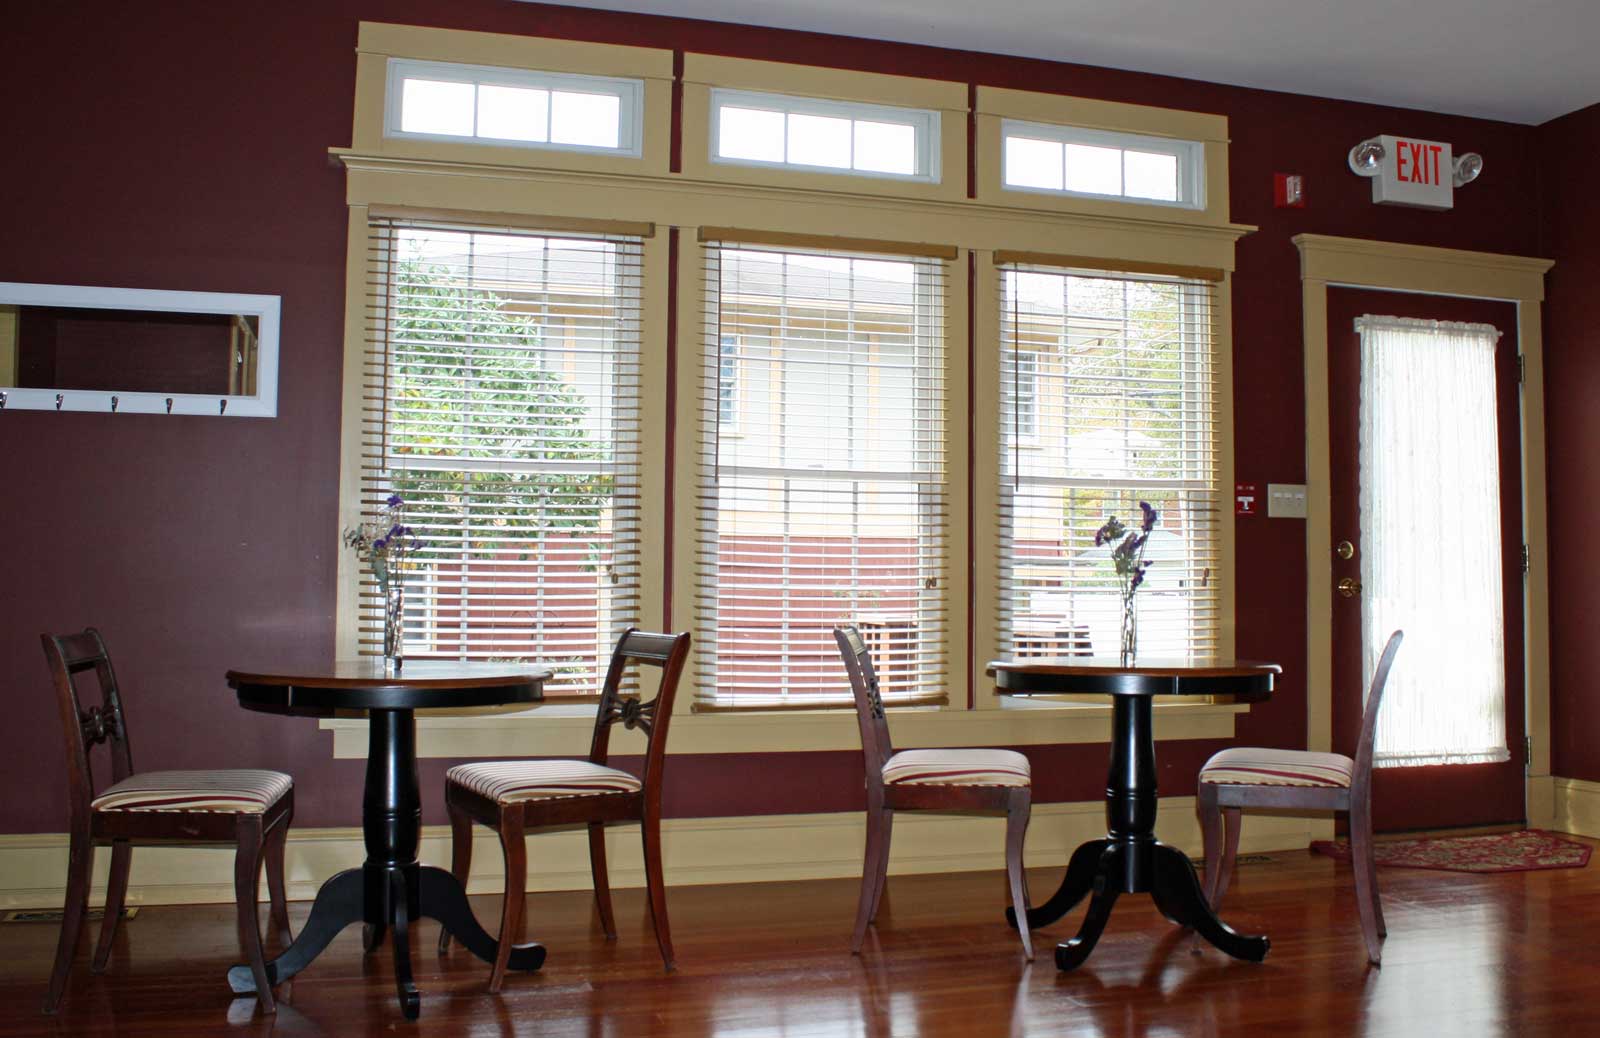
(1431, 495)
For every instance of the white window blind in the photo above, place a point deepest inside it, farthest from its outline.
(1107, 398)
(823, 496)
(502, 386)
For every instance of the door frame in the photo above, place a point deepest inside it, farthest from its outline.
(1326, 262)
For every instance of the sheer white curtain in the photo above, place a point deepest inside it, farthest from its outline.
(1430, 525)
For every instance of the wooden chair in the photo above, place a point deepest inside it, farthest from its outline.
(511, 797)
(1300, 780)
(929, 780)
(251, 809)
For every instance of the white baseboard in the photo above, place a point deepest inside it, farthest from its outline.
(1577, 807)
(696, 850)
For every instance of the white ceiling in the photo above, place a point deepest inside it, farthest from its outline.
(1525, 61)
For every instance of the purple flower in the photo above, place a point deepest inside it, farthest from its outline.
(394, 501)
(1150, 516)
(380, 544)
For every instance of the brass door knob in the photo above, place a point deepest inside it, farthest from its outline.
(1345, 550)
(1349, 587)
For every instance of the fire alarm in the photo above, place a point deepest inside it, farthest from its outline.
(1288, 191)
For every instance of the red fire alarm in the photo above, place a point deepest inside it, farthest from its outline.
(1288, 191)
(1244, 499)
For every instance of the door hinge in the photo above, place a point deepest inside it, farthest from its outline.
(1527, 751)
(1527, 561)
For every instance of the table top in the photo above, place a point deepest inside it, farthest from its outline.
(1045, 675)
(365, 684)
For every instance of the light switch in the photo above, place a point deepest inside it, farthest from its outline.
(1286, 500)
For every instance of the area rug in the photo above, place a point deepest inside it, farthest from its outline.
(1525, 850)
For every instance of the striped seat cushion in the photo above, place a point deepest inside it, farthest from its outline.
(1247, 765)
(239, 792)
(508, 781)
(957, 768)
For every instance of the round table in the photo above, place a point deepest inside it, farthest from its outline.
(391, 889)
(1129, 858)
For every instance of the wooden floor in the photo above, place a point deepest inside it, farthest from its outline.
(1467, 956)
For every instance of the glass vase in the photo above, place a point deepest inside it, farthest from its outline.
(394, 614)
(1130, 630)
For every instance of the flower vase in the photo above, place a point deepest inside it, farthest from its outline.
(394, 613)
(1130, 630)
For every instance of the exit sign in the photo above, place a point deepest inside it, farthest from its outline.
(1415, 173)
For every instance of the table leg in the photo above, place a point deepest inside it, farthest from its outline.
(1177, 893)
(410, 1000)
(339, 903)
(1082, 868)
(443, 898)
(1071, 954)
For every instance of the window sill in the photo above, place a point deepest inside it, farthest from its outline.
(563, 729)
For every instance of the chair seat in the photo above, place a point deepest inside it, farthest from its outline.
(238, 791)
(1250, 766)
(957, 768)
(511, 781)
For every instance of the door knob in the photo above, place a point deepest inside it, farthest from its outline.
(1345, 550)
(1349, 587)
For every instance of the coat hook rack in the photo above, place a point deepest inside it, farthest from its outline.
(58, 401)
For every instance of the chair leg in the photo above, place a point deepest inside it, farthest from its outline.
(883, 865)
(514, 845)
(1211, 839)
(246, 894)
(602, 881)
(80, 863)
(871, 872)
(1361, 863)
(116, 895)
(654, 878)
(1017, 811)
(460, 857)
(277, 894)
(1232, 822)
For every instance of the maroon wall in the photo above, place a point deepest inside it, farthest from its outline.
(184, 145)
(1571, 225)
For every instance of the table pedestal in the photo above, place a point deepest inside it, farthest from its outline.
(391, 890)
(1130, 859)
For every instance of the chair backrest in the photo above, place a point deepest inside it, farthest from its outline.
(70, 655)
(875, 743)
(665, 651)
(1369, 716)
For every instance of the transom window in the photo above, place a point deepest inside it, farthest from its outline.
(514, 107)
(826, 136)
(1070, 160)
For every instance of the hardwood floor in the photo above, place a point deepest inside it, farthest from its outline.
(1466, 956)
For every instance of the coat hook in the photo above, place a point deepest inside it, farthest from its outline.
(2, 401)
(113, 405)
(222, 406)
(169, 405)
(58, 401)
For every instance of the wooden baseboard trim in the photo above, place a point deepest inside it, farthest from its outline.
(697, 851)
(1577, 807)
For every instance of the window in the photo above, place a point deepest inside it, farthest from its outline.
(514, 107)
(1126, 411)
(824, 136)
(831, 505)
(503, 379)
(1023, 372)
(1072, 161)
(728, 384)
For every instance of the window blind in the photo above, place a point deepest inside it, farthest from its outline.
(502, 404)
(1107, 398)
(822, 496)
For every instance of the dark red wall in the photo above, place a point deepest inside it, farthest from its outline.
(184, 145)
(1571, 224)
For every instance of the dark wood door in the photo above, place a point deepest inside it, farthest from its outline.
(1442, 795)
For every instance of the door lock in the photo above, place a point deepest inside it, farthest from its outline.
(1349, 587)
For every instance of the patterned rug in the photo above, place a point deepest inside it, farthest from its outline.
(1522, 851)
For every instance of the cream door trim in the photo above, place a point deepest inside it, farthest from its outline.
(1358, 263)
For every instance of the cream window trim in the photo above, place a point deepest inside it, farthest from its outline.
(996, 105)
(1326, 262)
(380, 42)
(563, 730)
(702, 74)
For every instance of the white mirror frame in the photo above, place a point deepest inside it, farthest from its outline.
(263, 404)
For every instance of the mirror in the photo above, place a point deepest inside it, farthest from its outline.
(79, 348)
